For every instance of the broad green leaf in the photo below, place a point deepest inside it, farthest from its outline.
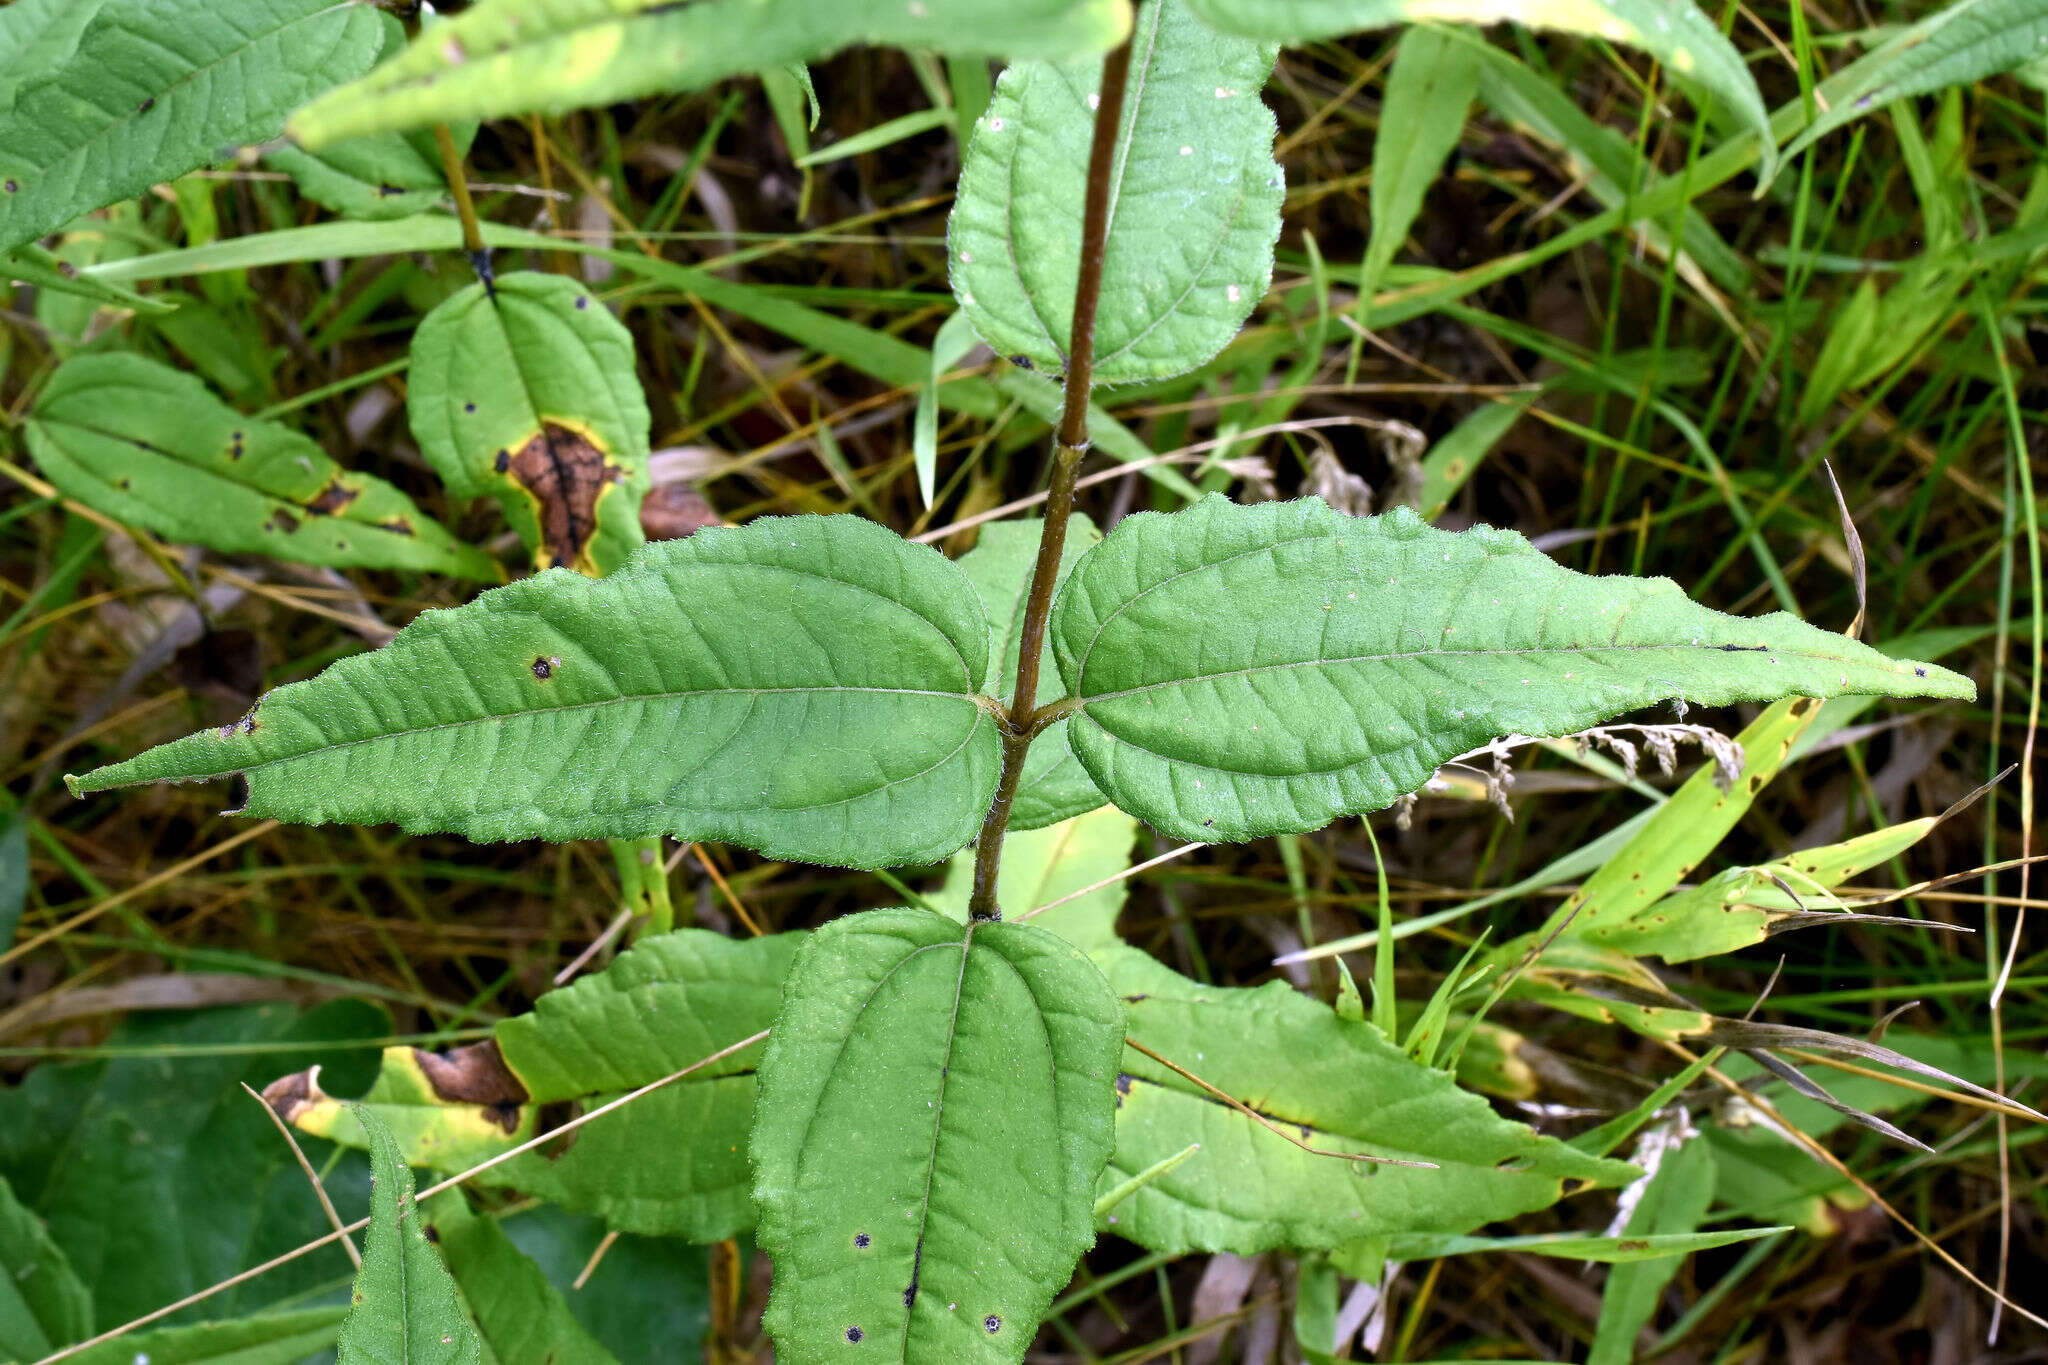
(524, 390)
(1959, 44)
(1054, 785)
(385, 175)
(1239, 671)
(268, 1339)
(36, 37)
(1334, 1083)
(513, 56)
(1672, 1204)
(404, 1310)
(522, 1318)
(648, 1298)
(150, 446)
(159, 1176)
(156, 88)
(936, 1103)
(1042, 866)
(1191, 226)
(801, 685)
(1675, 32)
(1429, 89)
(670, 1001)
(43, 1303)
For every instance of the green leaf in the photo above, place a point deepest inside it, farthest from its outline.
(1192, 224)
(1573, 1246)
(649, 1297)
(385, 175)
(525, 390)
(43, 1303)
(1429, 90)
(404, 1310)
(269, 1339)
(514, 56)
(1042, 866)
(1383, 648)
(954, 340)
(1336, 1084)
(523, 1319)
(1672, 1204)
(13, 869)
(1958, 45)
(152, 447)
(156, 88)
(127, 1159)
(800, 685)
(1054, 785)
(672, 1000)
(1675, 32)
(935, 1106)
(48, 272)
(36, 37)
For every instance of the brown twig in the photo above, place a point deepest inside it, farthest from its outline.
(1070, 443)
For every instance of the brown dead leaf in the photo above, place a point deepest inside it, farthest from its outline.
(566, 473)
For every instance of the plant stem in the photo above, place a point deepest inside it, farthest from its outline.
(1070, 443)
(465, 207)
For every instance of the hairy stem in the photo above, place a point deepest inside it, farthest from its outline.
(1070, 442)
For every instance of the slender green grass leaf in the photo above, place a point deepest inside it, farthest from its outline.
(955, 339)
(150, 446)
(514, 56)
(1572, 1246)
(126, 1158)
(1675, 32)
(43, 1303)
(1957, 45)
(1429, 89)
(1192, 224)
(936, 1103)
(524, 390)
(1453, 460)
(156, 88)
(1042, 866)
(669, 1002)
(52, 274)
(404, 1310)
(800, 685)
(1383, 648)
(1334, 1083)
(1054, 786)
(1672, 1204)
(13, 869)
(37, 37)
(267, 1339)
(523, 1319)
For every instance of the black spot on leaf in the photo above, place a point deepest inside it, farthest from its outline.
(282, 521)
(854, 1334)
(146, 105)
(992, 1323)
(469, 407)
(544, 667)
(862, 1240)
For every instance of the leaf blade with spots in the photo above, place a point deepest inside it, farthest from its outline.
(801, 685)
(524, 391)
(1384, 647)
(404, 1310)
(155, 448)
(156, 88)
(957, 1075)
(515, 56)
(1676, 32)
(1190, 240)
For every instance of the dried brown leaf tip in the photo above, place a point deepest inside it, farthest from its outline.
(288, 1096)
(477, 1075)
(566, 473)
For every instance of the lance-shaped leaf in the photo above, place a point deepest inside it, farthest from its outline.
(525, 391)
(404, 1310)
(935, 1105)
(156, 88)
(511, 56)
(669, 1002)
(266, 1339)
(1957, 45)
(1335, 1084)
(153, 447)
(1192, 222)
(1239, 671)
(1054, 785)
(801, 685)
(1675, 32)
(43, 1303)
(522, 1318)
